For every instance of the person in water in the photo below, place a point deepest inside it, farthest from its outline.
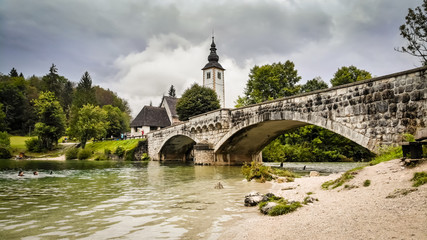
(21, 173)
(36, 173)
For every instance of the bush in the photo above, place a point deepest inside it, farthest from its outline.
(84, 154)
(4, 153)
(34, 145)
(120, 151)
(367, 183)
(281, 209)
(71, 153)
(257, 171)
(145, 157)
(4, 140)
(419, 179)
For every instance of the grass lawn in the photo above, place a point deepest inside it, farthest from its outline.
(18, 142)
(99, 147)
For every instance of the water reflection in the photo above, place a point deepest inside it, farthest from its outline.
(100, 200)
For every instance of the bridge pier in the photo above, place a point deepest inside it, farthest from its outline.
(203, 154)
(236, 158)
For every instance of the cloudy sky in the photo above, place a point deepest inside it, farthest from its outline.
(138, 48)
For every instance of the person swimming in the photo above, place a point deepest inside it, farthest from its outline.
(21, 174)
(36, 173)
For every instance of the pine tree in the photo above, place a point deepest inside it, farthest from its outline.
(171, 92)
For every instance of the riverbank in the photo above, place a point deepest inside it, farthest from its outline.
(355, 212)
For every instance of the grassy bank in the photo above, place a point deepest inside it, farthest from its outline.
(385, 155)
(99, 147)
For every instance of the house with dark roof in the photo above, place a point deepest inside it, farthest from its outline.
(153, 118)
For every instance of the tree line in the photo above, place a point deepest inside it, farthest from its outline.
(51, 106)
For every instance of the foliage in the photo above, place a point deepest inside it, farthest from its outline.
(51, 120)
(3, 120)
(257, 171)
(4, 145)
(313, 85)
(103, 146)
(349, 74)
(270, 82)
(84, 154)
(107, 97)
(85, 93)
(58, 85)
(34, 145)
(420, 178)
(4, 139)
(367, 183)
(14, 103)
(71, 153)
(283, 206)
(196, 100)
(120, 151)
(387, 154)
(345, 177)
(145, 157)
(283, 173)
(171, 91)
(117, 121)
(407, 137)
(90, 123)
(314, 144)
(415, 32)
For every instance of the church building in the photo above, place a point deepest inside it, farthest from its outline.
(153, 118)
(213, 75)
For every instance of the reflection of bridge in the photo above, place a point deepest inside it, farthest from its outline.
(371, 113)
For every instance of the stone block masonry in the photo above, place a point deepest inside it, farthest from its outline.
(371, 113)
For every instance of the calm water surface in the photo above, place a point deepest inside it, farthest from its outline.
(119, 200)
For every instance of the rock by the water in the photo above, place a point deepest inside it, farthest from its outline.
(253, 198)
(267, 208)
(314, 174)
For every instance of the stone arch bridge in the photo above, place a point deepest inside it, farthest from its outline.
(371, 113)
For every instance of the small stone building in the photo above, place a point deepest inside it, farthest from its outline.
(153, 118)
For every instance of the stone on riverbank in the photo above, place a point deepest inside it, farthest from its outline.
(253, 198)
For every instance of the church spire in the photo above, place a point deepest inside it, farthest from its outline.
(213, 57)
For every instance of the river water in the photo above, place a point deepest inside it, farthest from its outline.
(120, 200)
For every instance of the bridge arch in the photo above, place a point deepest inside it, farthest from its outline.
(177, 147)
(245, 141)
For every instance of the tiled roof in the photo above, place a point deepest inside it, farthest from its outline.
(151, 116)
(171, 101)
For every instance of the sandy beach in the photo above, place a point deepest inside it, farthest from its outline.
(356, 213)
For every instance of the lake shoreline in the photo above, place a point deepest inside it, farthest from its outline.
(355, 212)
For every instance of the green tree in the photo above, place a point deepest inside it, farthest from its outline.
(90, 123)
(12, 96)
(51, 120)
(313, 85)
(51, 81)
(196, 100)
(107, 97)
(270, 82)
(13, 73)
(171, 92)
(3, 124)
(349, 74)
(4, 145)
(85, 93)
(415, 32)
(117, 121)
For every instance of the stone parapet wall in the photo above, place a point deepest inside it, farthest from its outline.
(371, 113)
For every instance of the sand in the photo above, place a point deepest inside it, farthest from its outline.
(357, 213)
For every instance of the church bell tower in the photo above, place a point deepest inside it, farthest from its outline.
(213, 75)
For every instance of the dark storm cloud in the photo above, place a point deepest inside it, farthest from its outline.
(124, 44)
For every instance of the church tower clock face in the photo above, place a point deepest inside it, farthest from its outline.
(213, 74)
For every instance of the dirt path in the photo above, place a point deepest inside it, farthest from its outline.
(357, 213)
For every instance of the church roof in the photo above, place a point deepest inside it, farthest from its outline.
(213, 58)
(171, 102)
(151, 116)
